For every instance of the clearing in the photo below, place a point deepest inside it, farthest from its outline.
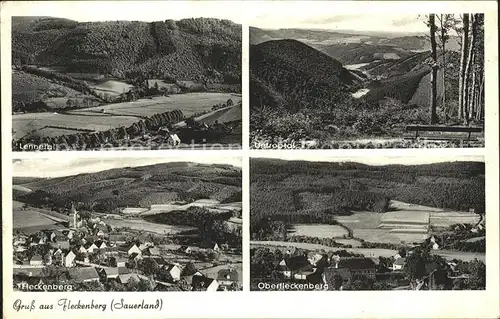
(112, 87)
(317, 230)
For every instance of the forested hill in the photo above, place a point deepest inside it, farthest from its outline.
(136, 186)
(294, 190)
(189, 49)
(292, 74)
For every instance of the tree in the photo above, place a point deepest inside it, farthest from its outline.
(415, 263)
(477, 279)
(150, 267)
(468, 86)
(433, 29)
(445, 24)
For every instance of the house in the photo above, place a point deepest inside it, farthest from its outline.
(48, 258)
(227, 276)
(208, 244)
(69, 259)
(27, 272)
(349, 268)
(188, 273)
(36, 260)
(314, 258)
(151, 251)
(435, 242)
(110, 272)
(56, 235)
(185, 249)
(172, 272)
(100, 244)
(283, 268)
(398, 264)
(83, 274)
(121, 261)
(118, 239)
(299, 267)
(159, 260)
(143, 247)
(70, 234)
(126, 277)
(91, 248)
(202, 283)
(82, 249)
(63, 244)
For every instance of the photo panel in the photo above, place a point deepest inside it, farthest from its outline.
(358, 223)
(84, 84)
(127, 224)
(367, 80)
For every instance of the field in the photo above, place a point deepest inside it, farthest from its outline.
(23, 124)
(189, 104)
(368, 252)
(28, 87)
(142, 225)
(410, 223)
(317, 230)
(30, 217)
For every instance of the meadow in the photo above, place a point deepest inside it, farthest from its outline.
(189, 104)
(23, 124)
(317, 230)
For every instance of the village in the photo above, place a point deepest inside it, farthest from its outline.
(90, 255)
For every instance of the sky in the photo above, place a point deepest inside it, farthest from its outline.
(332, 15)
(380, 160)
(62, 166)
(84, 11)
(401, 23)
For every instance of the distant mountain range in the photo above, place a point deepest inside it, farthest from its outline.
(188, 49)
(323, 39)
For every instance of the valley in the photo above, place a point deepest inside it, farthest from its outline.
(354, 90)
(89, 78)
(387, 220)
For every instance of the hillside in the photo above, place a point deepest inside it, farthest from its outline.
(188, 49)
(137, 187)
(293, 75)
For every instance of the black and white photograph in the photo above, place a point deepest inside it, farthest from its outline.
(367, 224)
(128, 224)
(367, 81)
(91, 84)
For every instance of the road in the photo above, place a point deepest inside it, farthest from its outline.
(370, 252)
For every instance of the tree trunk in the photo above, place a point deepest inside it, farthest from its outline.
(432, 26)
(463, 60)
(480, 98)
(443, 43)
(468, 71)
